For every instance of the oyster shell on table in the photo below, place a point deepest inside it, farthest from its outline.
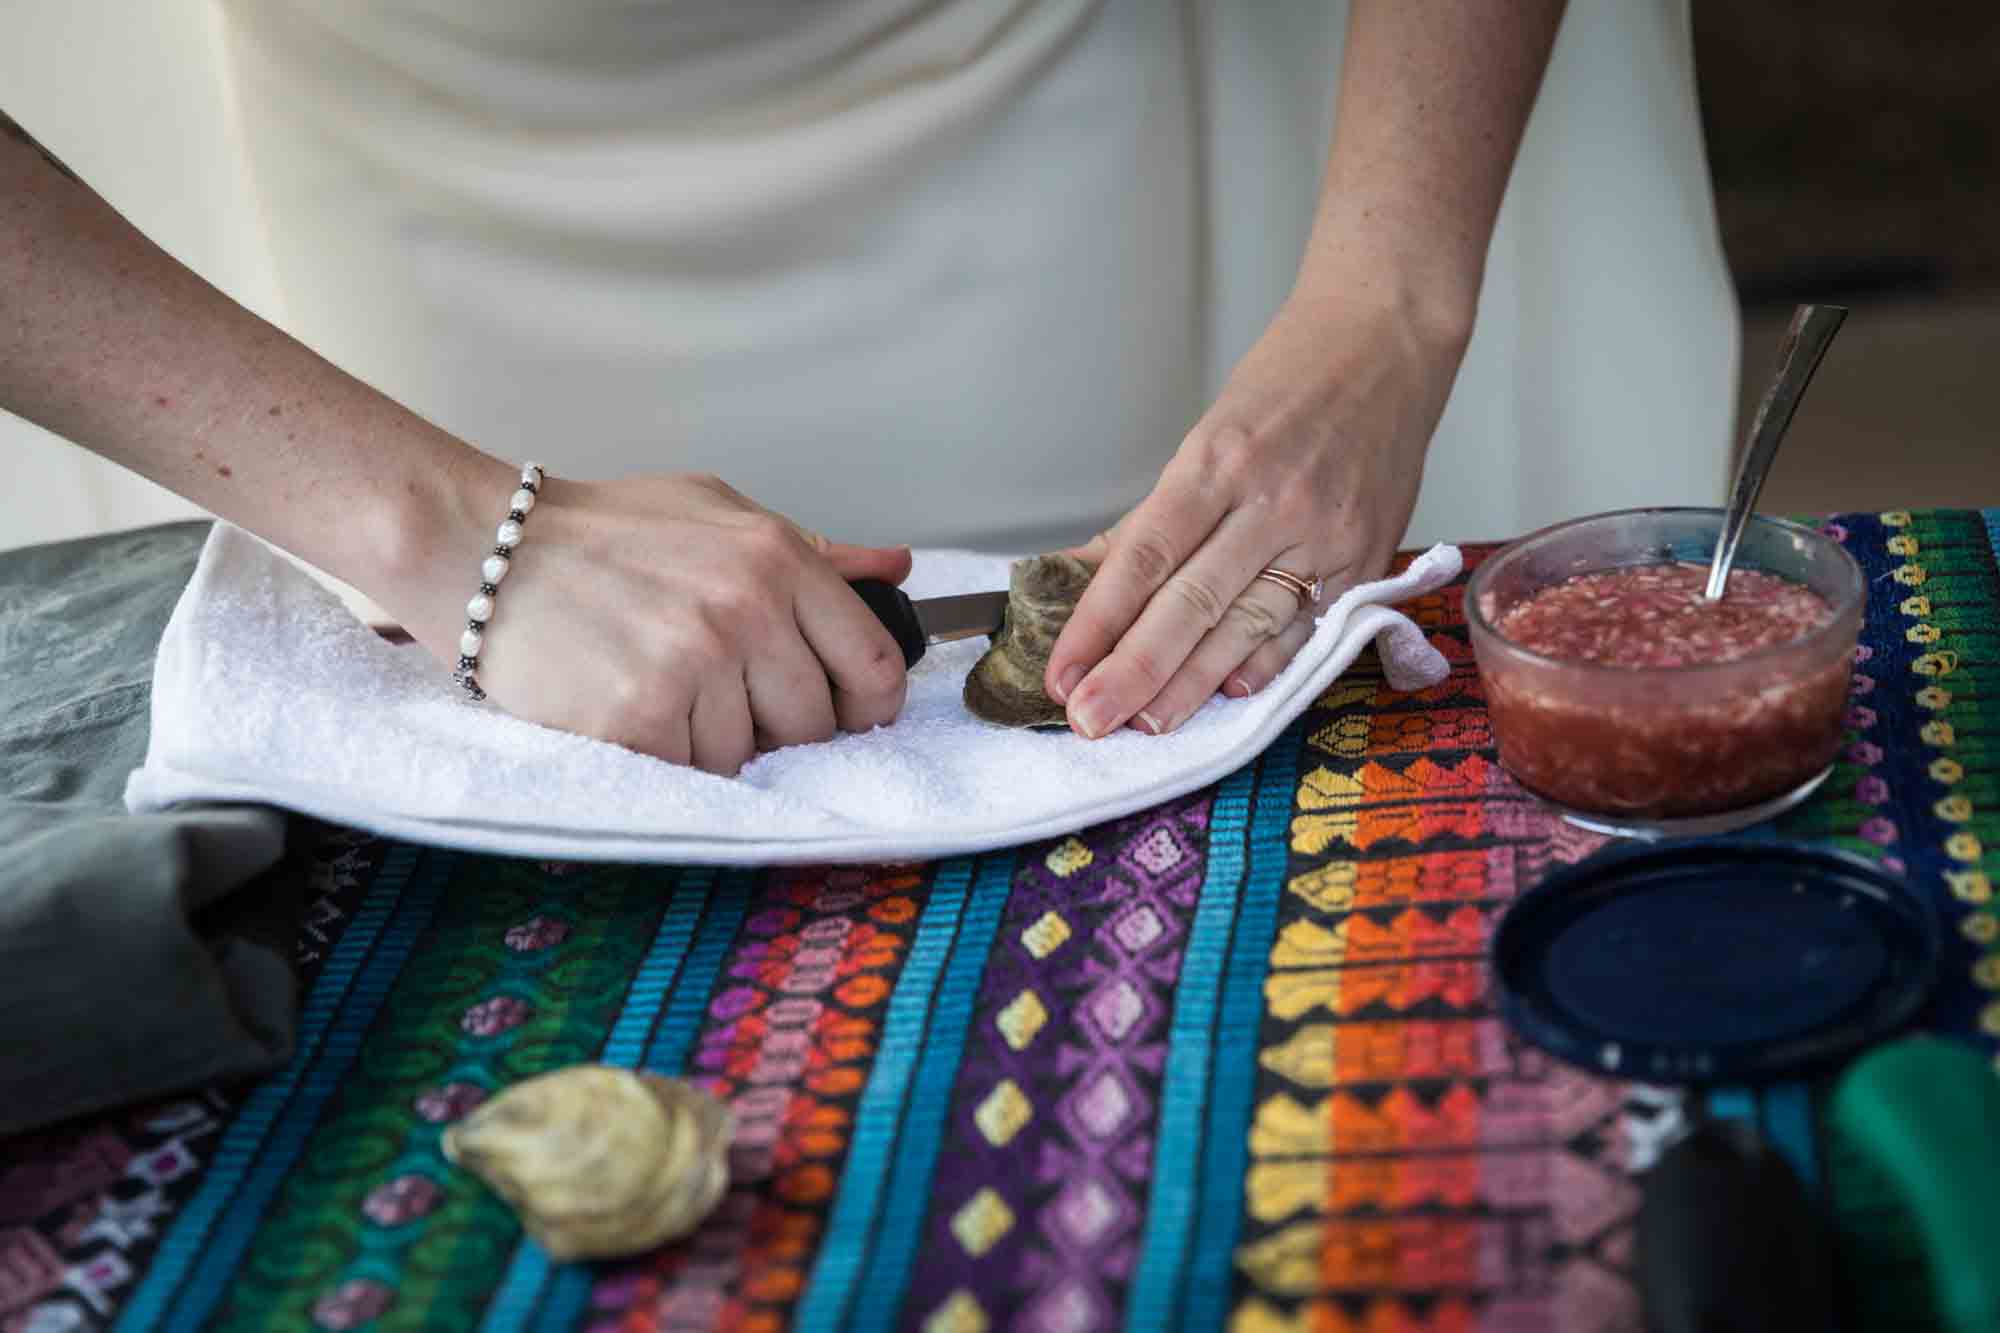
(1005, 686)
(599, 1162)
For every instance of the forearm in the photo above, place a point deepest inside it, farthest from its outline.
(1434, 95)
(107, 341)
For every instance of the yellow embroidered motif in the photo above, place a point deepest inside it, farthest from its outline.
(1286, 1262)
(1346, 737)
(1936, 664)
(1980, 928)
(1323, 788)
(1963, 846)
(1922, 633)
(1901, 544)
(1934, 697)
(1253, 1316)
(1067, 857)
(1349, 690)
(1287, 1128)
(1916, 607)
(960, 1313)
(1330, 888)
(1306, 1058)
(1910, 575)
(1308, 944)
(1989, 1019)
(1046, 935)
(1970, 886)
(1021, 1019)
(1291, 994)
(982, 1222)
(1953, 809)
(1986, 972)
(1003, 1112)
(1938, 733)
(1313, 834)
(1947, 771)
(1276, 1190)
(1895, 518)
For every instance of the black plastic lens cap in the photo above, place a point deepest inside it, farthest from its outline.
(1717, 960)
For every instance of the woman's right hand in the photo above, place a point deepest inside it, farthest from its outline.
(668, 614)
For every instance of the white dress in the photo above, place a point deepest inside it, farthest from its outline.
(950, 272)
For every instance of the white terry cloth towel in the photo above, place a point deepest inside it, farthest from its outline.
(269, 691)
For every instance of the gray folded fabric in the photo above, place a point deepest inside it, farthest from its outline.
(139, 954)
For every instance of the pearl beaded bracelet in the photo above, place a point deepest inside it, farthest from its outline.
(493, 569)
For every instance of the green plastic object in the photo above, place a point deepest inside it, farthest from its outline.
(1916, 1126)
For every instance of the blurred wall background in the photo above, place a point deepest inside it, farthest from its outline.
(1856, 151)
(130, 95)
(1855, 147)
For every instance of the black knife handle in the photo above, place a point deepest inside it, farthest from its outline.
(892, 607)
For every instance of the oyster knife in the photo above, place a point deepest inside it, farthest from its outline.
(919, 622)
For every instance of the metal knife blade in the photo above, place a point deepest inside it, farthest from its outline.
(968, 615)
(918, 624)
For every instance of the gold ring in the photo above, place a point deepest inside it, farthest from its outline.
(1306, 590)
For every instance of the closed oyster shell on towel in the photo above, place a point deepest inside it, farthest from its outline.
(1005, 685)
(599, 1162)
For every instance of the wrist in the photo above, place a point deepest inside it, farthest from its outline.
(420, 546)
(1427, 293)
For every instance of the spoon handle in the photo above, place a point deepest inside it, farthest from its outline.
(1806, 341)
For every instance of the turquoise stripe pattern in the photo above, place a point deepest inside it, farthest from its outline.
(199, 1255)
(680, 1023)
(1154, 1298)
(520, 1291)
(879, 1117)
(1218, 1210)
(1991, 517)
(667, 1052)
(922, 1131)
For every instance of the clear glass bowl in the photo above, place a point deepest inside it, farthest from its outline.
(1699, 748)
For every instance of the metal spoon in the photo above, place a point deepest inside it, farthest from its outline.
(1812, 330)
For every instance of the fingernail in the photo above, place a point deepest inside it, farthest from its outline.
(1067, 682)
(1093, 715)
(1237, 688)
(1149, 722)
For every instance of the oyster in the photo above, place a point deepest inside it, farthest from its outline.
(599, 1162)
(1005, 686)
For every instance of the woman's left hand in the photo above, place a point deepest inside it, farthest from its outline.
(1308, 462)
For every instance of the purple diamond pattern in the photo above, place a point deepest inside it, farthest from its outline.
(1088, 1144)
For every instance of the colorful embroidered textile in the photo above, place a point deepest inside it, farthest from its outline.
(1227, 1063)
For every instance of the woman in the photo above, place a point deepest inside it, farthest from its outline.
(959, 273)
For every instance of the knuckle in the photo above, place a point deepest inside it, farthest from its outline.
(1222, 453)
(1257, 620)
(1152, 556)
(1292, 506)
(629, 700)
(769, 548)
(1146, 667)
(879, 676)
(1206, 604)
(710, 643)
(637, 711)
